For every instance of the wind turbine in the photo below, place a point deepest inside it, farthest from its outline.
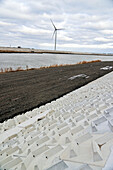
(55, 32)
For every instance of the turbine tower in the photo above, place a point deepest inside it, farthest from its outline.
(55, 32)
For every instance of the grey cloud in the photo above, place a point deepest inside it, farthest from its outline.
(27, 23)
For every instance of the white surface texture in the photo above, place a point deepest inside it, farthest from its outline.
(74, 132)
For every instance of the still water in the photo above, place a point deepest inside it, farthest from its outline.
(37, 60)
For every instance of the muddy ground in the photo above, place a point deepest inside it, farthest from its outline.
(24, 90)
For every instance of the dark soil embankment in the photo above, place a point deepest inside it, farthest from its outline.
(24, 90)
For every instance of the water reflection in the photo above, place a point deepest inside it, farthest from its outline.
(37, 60)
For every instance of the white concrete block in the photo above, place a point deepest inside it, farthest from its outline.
(5, 160)
(79, 118)
(53, 141)
(83, 138)
(76, 130)
(100, 120)
(62, 125)
(60, 166)
(36, 167)
(31, 141)
(110, 124)
(28, 160)
(97, 156)
(22, 166)
(53, 151)
(104, 139)
(12, 163)
(12, 150)
(42, 140)
(67, 140)
(73, 124)
(40, 150)
(63, 131)
(85, 167)
(52, 126)
(92, 116)
(72, 154)
(86, 123)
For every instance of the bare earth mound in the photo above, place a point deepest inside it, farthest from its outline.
(24, 90)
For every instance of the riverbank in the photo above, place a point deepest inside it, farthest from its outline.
(40, 51)
(24, 90)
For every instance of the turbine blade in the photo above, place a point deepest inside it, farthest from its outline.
(53, 34)
(53, 24)
(60, 29)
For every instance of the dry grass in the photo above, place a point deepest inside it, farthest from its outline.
(84, 62)
(55, 65)
(10, 69)
(61, 65)
(51, 66)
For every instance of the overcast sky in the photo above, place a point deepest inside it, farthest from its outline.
(88, 24)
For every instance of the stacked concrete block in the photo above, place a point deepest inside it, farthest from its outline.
(73, 132)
